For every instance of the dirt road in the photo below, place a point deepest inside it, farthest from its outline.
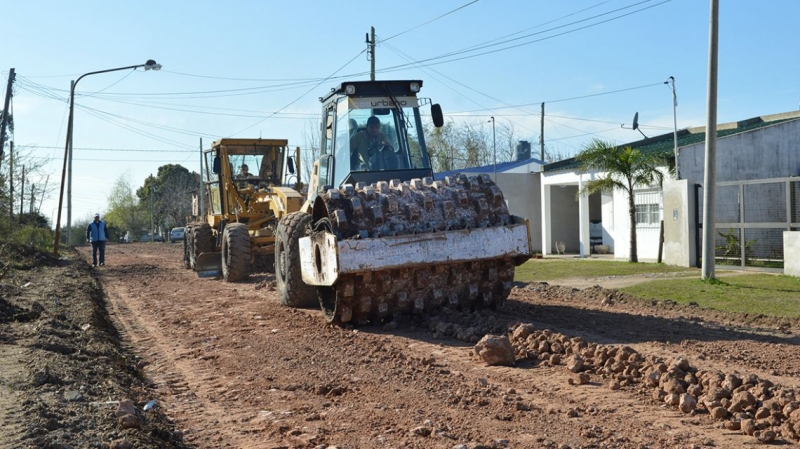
(228, 366)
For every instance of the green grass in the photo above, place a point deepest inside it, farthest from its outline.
(740, 292)
(764, 294)
(542, 270)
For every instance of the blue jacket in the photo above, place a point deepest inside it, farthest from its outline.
(97, 232)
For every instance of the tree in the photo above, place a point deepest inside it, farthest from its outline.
(171, 190)
(173, 200)
(125, 212)
(23, 186)
(622, 168)
(311, 151)
(443, 146)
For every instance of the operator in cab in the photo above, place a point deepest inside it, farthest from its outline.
(367, 144)
(245, 177)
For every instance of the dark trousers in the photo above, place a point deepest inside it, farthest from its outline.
(102, 247)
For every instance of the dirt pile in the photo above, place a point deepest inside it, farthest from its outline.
(63, 370)
(753, 405)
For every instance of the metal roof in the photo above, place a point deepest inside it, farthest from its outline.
(501, 168)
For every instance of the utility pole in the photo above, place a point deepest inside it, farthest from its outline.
(41, 198)
(10, 180)
(371, 53)
(201, 192)
(541, 134)
(674, 124)
(22, 192)
(4, 121)
(494, 146)
(710, 175)
(69, 168)
(152, 225)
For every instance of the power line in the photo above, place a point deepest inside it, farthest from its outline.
(569, 98)
(134, 150)
(429, 21)
(304, 94)
(433, 60)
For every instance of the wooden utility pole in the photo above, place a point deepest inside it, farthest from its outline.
(22, 191)
(33, 199)
(4, 121)
(11, 180)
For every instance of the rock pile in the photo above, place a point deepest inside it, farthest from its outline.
(752, 405)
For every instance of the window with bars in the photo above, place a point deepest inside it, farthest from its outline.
(648, 208)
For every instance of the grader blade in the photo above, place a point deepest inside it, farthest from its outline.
(209, 265)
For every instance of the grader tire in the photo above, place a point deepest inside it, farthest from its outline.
(201, 242)
(292, 291)
(235, 252)
(187, 243)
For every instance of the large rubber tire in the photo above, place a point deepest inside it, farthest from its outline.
(292, 291)
(202, 241)
(236, 252)
(187, 243)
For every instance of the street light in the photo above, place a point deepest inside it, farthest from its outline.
(674, 123)
(149, 65)
(494, 147)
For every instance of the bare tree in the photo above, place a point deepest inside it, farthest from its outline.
(34, 179)
(443, 146)
(310, 150)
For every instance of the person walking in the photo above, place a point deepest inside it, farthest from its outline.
(97, 234)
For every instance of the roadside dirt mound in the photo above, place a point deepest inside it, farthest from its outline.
(224, 365)
(63, 371)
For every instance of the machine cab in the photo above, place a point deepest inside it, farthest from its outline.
(372, 131)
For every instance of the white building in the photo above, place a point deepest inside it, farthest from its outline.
(756, 160)
(755, 150)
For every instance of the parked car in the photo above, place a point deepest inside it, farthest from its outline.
(176, 234)
(156, 238)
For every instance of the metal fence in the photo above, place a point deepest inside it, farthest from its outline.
(751, 217)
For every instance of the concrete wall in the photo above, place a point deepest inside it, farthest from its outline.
(679, 223)
(522, 192)
(607, 216)
(791, 245)
(762, 153)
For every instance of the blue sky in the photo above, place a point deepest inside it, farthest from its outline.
(257, 68)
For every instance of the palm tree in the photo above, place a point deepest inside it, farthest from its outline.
(622, 168)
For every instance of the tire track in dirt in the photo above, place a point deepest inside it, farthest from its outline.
(11, 373)
(190, 390)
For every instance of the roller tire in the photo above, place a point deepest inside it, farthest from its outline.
(292, 291)
(236, 261)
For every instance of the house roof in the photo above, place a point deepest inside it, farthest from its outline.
(690, 136)
(501, 167)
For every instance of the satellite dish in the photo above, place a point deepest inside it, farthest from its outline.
(636, 120)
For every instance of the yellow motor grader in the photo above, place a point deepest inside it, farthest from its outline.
(377, 234)
(244, 200)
